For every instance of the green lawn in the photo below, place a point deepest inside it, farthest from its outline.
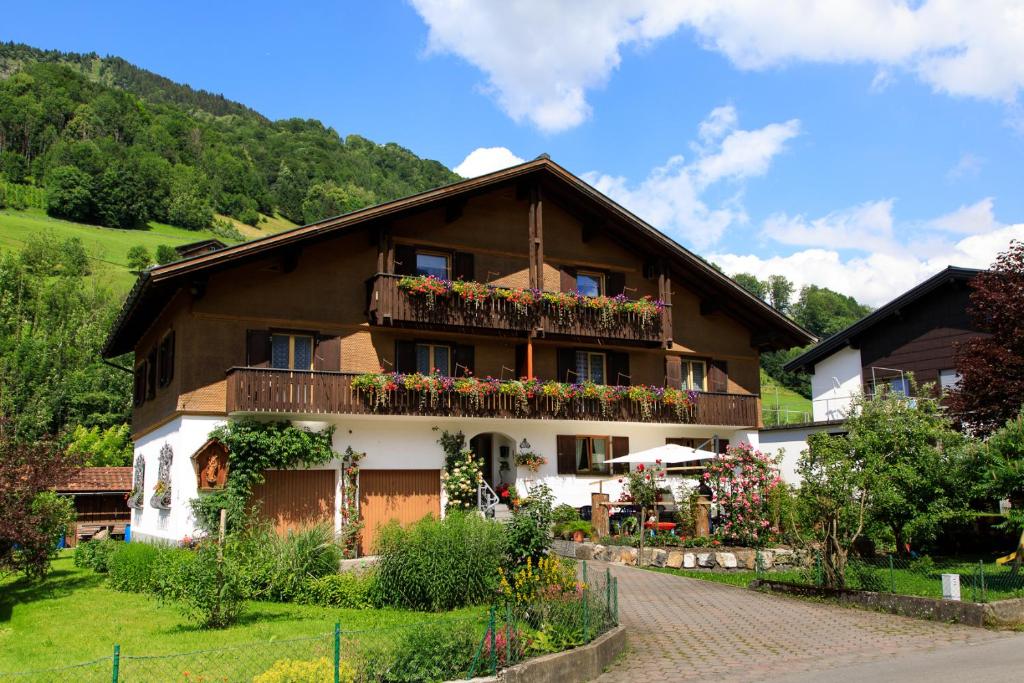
(108, 247)
(780, 405)
(74, 617)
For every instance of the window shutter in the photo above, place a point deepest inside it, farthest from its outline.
(674, 372)
(718, 376)
(566, 366)
(566, 446)
(257, 348)
(520, 361)
(139, 389)
(615, 283)
(405, 356)
(620, 446)
(465, 357)
(462, 266)
(618, 368)
(166, 359)
(405, 259)
(151, 374)
(328, 353)
(567, 279)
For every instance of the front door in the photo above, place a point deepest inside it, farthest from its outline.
(482, 446)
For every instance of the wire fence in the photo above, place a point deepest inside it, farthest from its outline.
(978, 580)
(436, 649)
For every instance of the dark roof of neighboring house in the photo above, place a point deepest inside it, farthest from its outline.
(210, 244)
(841, 339)
(95, 479)
(157, 285)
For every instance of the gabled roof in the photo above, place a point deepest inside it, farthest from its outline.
(156, 286)
(98, 479)
(806, 361)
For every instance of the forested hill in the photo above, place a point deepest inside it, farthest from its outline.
(117, 145)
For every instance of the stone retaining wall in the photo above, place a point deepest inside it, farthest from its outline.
(709, 559)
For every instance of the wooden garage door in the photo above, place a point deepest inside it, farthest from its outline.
(292, 498)
(403, 495)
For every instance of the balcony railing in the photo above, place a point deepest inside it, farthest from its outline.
(390, 305)
(263, 390)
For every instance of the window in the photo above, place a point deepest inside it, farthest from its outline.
(151, 374)
(694, 375)
(589, 284)
(139, 388)
(166, 360)
(434, 359)
(899, 386)
(591, 367)
(433, 263)
(591, 454)
(291, 351)
(948, 379)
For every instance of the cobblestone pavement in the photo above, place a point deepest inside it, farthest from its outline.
(683, 629)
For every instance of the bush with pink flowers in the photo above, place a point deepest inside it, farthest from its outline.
(742, 480)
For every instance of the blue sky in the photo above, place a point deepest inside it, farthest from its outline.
(857, 144)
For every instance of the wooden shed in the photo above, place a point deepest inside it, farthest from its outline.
(99, 494)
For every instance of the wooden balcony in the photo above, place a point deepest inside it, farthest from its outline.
(263, 390)
(389, 305)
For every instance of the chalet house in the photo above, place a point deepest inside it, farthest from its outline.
(914, 335)
(288, 327)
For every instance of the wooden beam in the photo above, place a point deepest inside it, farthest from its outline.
(535, 230)
(529, 357)
(665, 294)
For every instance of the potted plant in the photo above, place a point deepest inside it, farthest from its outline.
(161, 495)
(578, 530)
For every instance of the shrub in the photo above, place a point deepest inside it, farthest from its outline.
(208, 589)
(529, 530)
(564, 513)
(95, 555)
(347, 589)
(568, 529)
(305, 671)
(442, 652)
(55, 515)
(131, 567)
(171, 570)
(551, 577)
(84, 552)
(439, 564)
(275, 567)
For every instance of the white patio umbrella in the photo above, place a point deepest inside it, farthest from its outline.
(670, 452)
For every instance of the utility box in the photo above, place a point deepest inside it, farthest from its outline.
(951, 587)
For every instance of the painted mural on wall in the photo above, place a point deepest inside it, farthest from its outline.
(138, 482)
(211, 466)
(162, 490)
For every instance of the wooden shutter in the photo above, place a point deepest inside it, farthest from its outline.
(615, 283)
(674, 372)
(405, 259)
(257, 348)
(718, 376)
(166, 359)
(520, 361)
(462, 266)
(618, 368)
(328, 353)
(465, 357)
(566, 366)
(566, 446)
(151, 374)
(567, 279)
(405, 356)
(139, 388)
(620, 446)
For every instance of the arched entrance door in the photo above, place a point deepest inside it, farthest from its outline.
(498, 452)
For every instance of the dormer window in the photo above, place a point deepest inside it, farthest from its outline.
(589, 283)
(433, 263)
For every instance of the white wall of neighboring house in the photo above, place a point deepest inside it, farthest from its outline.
(792, 442)
(408, 442)
(836, 381)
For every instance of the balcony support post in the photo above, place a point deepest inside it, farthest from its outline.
(665, 294)
(535, 226)
(529, 357)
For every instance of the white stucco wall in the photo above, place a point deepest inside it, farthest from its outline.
(792, 442)
(405, 443)
(836, 380)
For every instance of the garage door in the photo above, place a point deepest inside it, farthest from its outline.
(402, 495)
(293, 498)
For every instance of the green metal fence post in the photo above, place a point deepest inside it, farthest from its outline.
(117, 664)
(337, 652)
(892, 576)
(584, 563)
(817, 569)
(494, 644)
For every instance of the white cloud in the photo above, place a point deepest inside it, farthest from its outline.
(880, 274)
(541, 58)
(968, 220)
(670, 197)
(485, 160)
(866, 226)
(967, 165)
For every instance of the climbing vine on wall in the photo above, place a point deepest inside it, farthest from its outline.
(254, 447)
(351, 524)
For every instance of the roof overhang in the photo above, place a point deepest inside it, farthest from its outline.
(155, 287)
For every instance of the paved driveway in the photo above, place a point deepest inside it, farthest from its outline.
(683, 629)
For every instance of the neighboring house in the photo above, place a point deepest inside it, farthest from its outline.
(279, 328)
(99, 495)
(914, 335)
(198, 248)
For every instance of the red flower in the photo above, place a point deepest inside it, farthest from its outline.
(640, 467)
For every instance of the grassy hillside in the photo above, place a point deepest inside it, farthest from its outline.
(108, 247)
(780, 405)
